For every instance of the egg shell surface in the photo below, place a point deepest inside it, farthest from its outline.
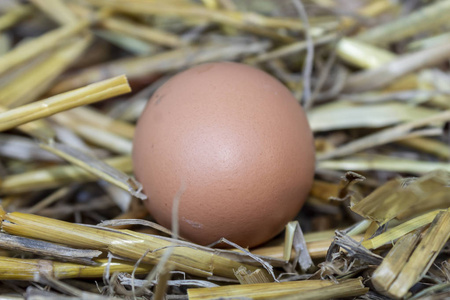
(239, 143)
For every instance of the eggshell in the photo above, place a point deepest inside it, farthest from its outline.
(237, 140)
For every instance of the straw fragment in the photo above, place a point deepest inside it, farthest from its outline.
(39, 45)
(188, 10)
(96, 136)
(369, 10)
(186, 257)
(399, 195)
(57, 10)
(306, 289)
(324, 190)
(91, 117)
(32, 269)
(246, 277)
(382, 163)
(410, 96)
(44, 108)
(430, 41)
(400, 230)
(428, 18)
(105, 139)
(5, 43)
(354, 249)
(42, 248)
(128, 43)
(39, 129)
(145, 33)
(65, 288)
(213, 13)
(361, 54)
(295, 241)
(14, 15)
(290, 49)
(344, 114)
(50, 199)
(385, 136)
(56, 176)
(317, 247)
(416, 266)
(62, 210)
(138, 67)
(36, 80)
(125, 280)
(97, 167)
(394, 261)
(401, 66)
(23, 148)
(347, 288)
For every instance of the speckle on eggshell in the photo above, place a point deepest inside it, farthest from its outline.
(239, 141)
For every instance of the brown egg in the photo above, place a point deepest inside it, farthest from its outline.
(238, 141)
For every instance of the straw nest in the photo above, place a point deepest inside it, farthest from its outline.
(373, 76)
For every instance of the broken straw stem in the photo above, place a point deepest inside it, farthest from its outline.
(86, 95)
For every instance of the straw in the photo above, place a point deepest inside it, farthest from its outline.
(44, 108)
(131, 245)
(36, 80)
(39, 45)
(14, 15)
(307, 289)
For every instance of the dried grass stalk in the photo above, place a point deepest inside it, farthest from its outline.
(91, 164)
(33, 269)
(395, 260)
(290, 49)
(14, 15)
(324, 190)
(39, 129)
(138, 67)
(50, 199)
(428, 42)
(400, 230)
(428, 145)
(403, 65)
(41, 248)
(23, 148)
(56, 176)
(44, 108)
(362, 54)
(399, 195)
(370, 10)
(246, 277)
(104, 139)
(36, 80)
(385, 136)
(92, 117)
(383, 163)
(142, 32)
(306, 289)
(316, 249)
(39, 45)
(428, 18)
(295, 240)
(186, 257)
(188, 10)
(57, 10)
(344, 114)
(128, 43)
(5, 43)
(416, 266)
